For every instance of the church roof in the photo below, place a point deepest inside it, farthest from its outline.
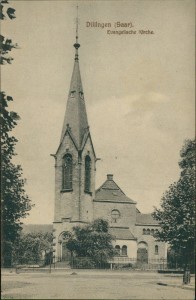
(35, 228)
(110, 191)
(75, 115)
(121, 233)
(145, 219)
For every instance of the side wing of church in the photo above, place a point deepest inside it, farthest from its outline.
(77, 202)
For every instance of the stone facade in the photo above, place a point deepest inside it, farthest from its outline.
(81, 203)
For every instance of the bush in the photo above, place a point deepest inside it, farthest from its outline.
(123, 266)
(83, 263)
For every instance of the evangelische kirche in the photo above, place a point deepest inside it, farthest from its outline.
(76, 199)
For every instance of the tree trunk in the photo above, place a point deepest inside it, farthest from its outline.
(187, 274)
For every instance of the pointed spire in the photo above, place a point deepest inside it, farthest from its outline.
(75, 114)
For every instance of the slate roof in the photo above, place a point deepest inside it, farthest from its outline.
(35, 228)
(110, 191)
(145, 219)
(75, 114)
(121, 233)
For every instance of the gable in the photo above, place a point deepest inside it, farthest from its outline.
(110, 191)
(87, 143)
(67, 142)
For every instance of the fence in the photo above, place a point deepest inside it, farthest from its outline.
(133, 263)
(115, 263)
(49, 263)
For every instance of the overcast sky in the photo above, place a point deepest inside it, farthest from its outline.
(139, 91)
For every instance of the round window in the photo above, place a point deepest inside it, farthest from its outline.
(115, 214)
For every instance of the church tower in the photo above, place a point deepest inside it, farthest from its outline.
(74, 166)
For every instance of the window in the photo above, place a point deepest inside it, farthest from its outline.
(156, 250)
(115, 215)
(124, 250)
(72, 94)
(144, 231)
(148, 231)
(81, 95)
(87, 174)
(152, 231)
(67, 172)
(117, 247)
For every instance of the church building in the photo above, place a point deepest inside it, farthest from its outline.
(77, 202)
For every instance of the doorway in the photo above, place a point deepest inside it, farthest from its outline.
(142, 253)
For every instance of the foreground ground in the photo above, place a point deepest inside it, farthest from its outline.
(87, 284)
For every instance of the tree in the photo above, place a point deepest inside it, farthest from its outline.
(15, 204)
(6, 44)
(177, 214)
(30, 247)
(93, 241)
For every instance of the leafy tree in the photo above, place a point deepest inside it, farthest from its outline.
(30, 247)
(93, 241)
(174, 258)
(6, 44)
(15, 204)
(177, 213)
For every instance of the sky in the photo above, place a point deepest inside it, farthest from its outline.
(138, 88)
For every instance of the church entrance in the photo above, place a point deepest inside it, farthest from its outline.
(63, 253)
(66, 254)
(142, 253)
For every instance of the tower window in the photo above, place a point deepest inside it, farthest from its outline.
(124, 250)
(72, 94)
(67, 172)
(81, 95)
(156, 250)
(87, 174)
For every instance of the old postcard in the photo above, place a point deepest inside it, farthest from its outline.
(103, 110)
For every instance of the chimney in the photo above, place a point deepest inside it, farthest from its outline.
(110, 177)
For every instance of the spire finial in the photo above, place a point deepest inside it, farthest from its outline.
(76, 45)
(77, 24)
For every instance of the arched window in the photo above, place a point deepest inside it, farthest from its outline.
(144, 231)
(124, 250)
(152, 231)
(87, 174)
(148, 231)
(117, 247)
(67, 172)
(156, 250)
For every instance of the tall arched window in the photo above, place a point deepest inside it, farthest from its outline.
(117, 247)
(144, 231)
(156, 250)
(148, 231)
(124, 250)
(67, 172)
(87, 174)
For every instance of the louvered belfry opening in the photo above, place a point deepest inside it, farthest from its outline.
(67, 172)
(87, 174)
